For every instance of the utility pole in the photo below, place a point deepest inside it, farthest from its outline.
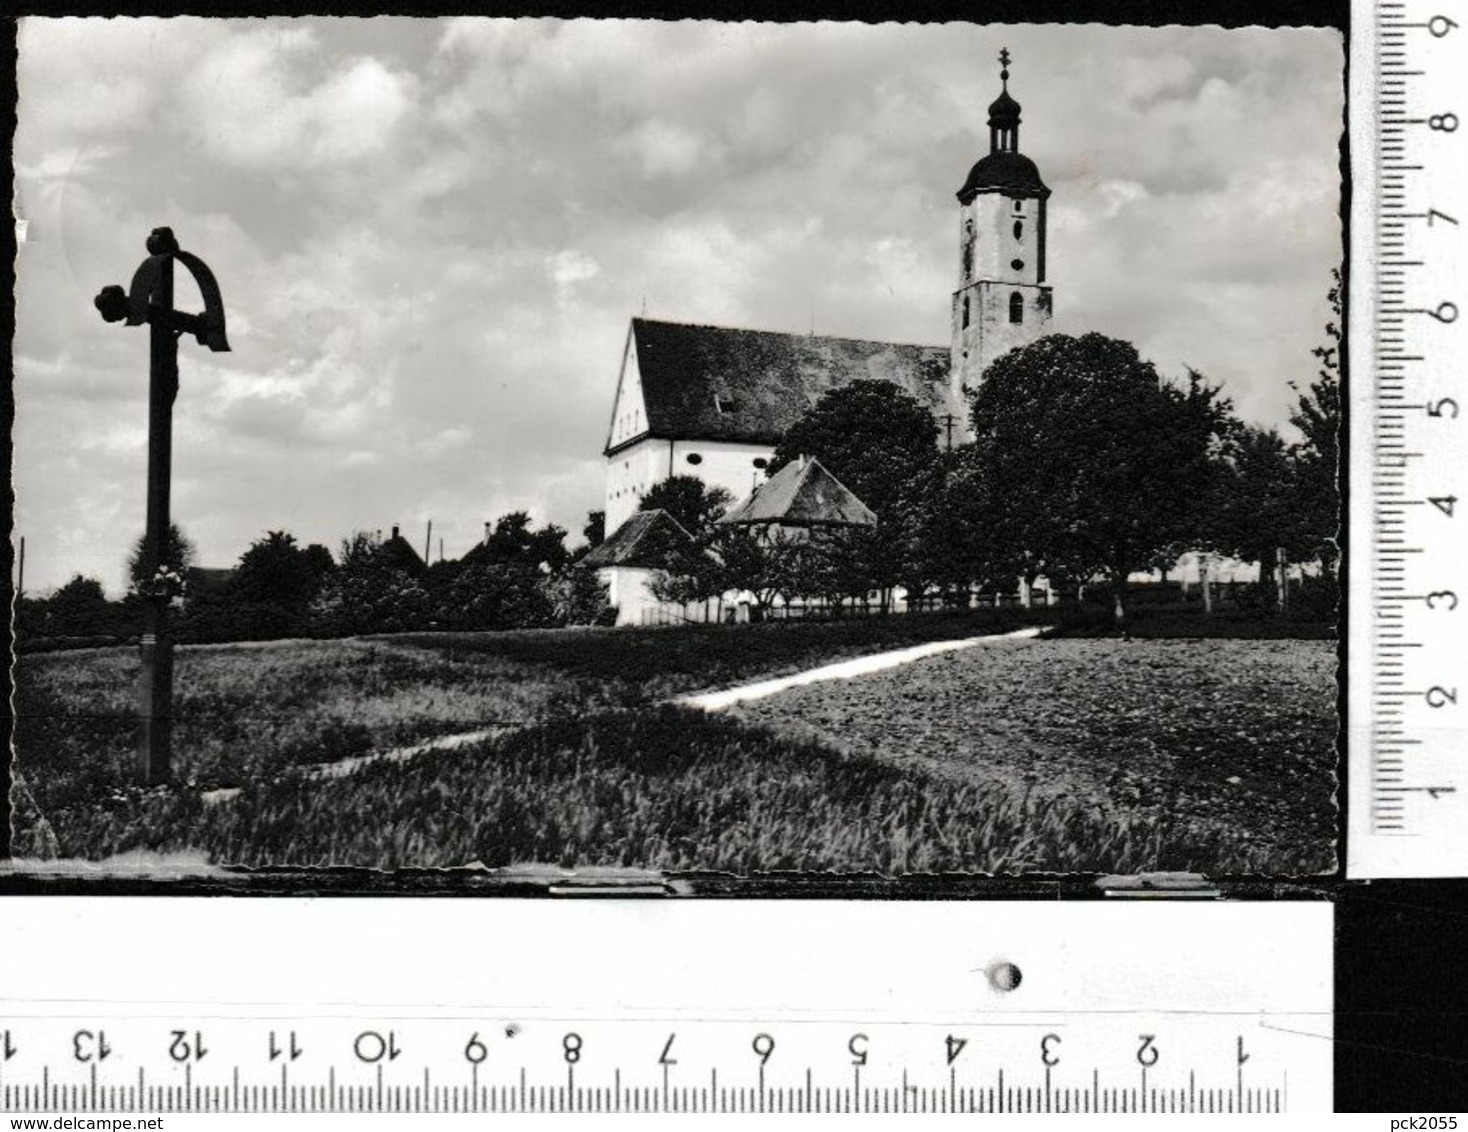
(428, 544)
(150, 300)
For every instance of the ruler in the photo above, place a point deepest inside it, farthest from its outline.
(1408, 715)
(286, 1005)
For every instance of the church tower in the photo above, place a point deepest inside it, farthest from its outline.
(1002, 300)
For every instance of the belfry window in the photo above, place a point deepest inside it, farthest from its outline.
(1019, 229)
(965, 311)
(1016, 307)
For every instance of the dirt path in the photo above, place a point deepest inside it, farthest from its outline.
(342, 767)
(844, 670)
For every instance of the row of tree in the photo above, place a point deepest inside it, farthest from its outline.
(1085, 466)
(519, 577)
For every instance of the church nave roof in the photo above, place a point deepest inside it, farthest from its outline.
(750, 386)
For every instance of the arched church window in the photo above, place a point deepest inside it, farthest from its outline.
(1016, 307)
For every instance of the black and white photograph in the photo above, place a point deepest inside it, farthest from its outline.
(531, 445)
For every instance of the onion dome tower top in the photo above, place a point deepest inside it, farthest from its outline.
(1004, 169)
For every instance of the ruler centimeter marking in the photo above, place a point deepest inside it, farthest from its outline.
(682, 1098)
(324, 1096)
(1405, 295)
(1124, 1061)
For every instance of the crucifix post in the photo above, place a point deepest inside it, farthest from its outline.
(155, 687)
(150, 300)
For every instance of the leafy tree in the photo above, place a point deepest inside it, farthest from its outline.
(275, 570)
(178, 555)
(689, 500)
(547, 551)
(964, 538)
(496, 595)
(1259, 512)
(367, 594)
(760, 562)
(595, 531)
(882, 444)
(873, 436)
(695, 574)
(359, 551)
(831, 565)
(514, 542)
(578, 597)
(79, 608)
(1317, 415)
(1093, 462)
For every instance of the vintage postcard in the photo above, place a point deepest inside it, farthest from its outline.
(678, 447)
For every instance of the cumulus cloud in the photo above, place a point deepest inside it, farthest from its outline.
(262, 101)
(430, 236)
(569, 267)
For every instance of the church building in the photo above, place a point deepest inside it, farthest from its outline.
(713, 401)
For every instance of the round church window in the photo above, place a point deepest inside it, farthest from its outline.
(1017, 264)
(761, 462)
(695, 458)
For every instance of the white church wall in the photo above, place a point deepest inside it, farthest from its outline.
(724, 464)
(629, 409)
(632, 472)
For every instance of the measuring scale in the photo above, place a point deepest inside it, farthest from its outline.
(329, 1005)
(1408, 408)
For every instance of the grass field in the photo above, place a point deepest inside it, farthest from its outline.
(245, 712)
(1215, 735)
(595, 774)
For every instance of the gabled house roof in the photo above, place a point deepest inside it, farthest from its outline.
(649, 539)
(208, 579)
(398, 552)
(803, 494)
(750, 386)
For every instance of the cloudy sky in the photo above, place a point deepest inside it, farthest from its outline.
(430, 236)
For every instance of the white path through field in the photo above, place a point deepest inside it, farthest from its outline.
(341, 767)
(844, 670)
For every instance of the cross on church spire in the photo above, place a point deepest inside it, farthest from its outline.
(1004, 114)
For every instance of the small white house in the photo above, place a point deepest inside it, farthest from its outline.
(627, 561)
